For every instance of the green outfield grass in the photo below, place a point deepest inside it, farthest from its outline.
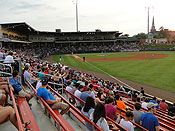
(158, 73)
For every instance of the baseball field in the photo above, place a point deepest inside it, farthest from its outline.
(156, 69)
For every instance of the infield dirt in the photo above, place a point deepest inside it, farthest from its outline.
(137, 56)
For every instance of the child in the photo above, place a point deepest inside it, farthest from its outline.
(126, 122)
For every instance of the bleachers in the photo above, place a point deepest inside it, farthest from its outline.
(58, 118)
(26, 114)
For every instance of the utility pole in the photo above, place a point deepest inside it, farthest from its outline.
(148, 25)
(76, 14)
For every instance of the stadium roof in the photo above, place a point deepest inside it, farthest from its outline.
(23, 27)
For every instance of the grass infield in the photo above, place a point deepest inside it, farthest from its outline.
(158, 73)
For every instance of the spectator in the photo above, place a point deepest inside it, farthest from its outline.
(53, 101)
(163, 105)
(99, 117)
(41, 74)
(28, 76)
(92, 91)
(78, 94)
(111, 110)
(1, 55)
(88, 109)
(9, 58)
(75, 88)
(4, 91)
(145, 103)
(126, 122)
(120, 104)
(85, 94)
(100, 94)
(154, 100)
(137, 113)
(15, 85)
(171, 110)
(8, 114)
(138, 99)
(3, 98)
(69, 88)
(148, 120)
(85, 87)
(142, 91)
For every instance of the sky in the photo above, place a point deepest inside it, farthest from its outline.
(126, 16)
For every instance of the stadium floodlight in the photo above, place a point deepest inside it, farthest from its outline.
(76, 6)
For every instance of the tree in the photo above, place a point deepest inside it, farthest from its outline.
(140, 36)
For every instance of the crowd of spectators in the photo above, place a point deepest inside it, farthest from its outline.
(101, 96)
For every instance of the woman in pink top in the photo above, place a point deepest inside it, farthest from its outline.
(111, 110)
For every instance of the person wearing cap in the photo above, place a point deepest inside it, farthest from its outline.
(53, 101)
(163, 105)
(148, 120)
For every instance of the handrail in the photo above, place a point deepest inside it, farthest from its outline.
(20, 127)
(76, 110)
(51, 111)
(54, 76)
(83, 102)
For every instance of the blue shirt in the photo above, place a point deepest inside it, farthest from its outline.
(149, 121)
(45, 94)
(84, 95)
(155, 103)
(16, 84)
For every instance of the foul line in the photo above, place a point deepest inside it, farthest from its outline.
(111, 76)
(122, 81)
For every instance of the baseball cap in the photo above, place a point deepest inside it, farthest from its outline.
(150, 105)
(163, 100)
(44, 81)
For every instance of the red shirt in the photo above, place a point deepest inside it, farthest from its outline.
(85, 88)
(163, 106)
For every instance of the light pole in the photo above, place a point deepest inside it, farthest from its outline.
(148, 24)
(76, 6)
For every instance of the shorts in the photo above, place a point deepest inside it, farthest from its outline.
(22, 93)
(1, 95)
(60, 105)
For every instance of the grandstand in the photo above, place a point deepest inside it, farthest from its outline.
(27, 42)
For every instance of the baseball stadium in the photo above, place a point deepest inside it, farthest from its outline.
(52, 80)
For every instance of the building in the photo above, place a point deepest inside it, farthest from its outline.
(22, 35)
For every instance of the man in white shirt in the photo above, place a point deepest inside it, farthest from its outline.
(9, 58)
(145, 103)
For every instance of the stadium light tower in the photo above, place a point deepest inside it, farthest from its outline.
(148, 24)
(76, 6)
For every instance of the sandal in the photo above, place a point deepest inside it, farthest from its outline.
(27, 123)
(26, 129)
